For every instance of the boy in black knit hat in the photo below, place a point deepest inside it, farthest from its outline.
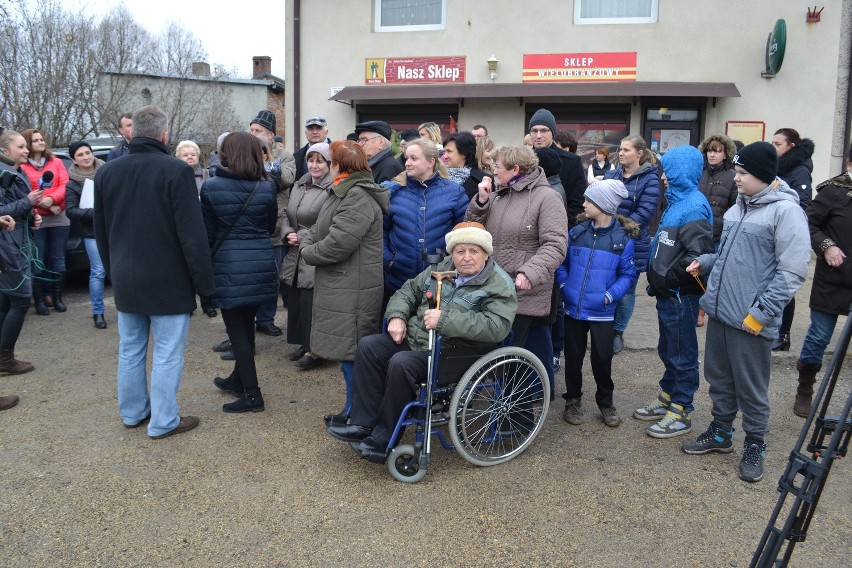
(762, 261)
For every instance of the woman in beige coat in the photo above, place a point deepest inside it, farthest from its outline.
(305, 202)
(529, 225)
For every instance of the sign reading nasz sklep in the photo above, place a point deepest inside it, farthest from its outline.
(414, 70)
(579, 67)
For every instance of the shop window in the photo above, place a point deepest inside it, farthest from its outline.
(594, 125)
(615, 11)
(410, 15)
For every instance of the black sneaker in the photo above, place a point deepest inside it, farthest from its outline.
(751, 464)
(714, 439)
(222, 346)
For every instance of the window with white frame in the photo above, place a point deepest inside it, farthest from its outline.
(616, 11)
(410, 15)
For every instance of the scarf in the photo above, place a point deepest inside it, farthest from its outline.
(37, 164)
(81, 177)
(459, 175)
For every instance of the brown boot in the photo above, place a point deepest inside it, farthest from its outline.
(805, 390)
(8, 363)
(8, 401)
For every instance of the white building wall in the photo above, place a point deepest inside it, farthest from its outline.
(693, 41)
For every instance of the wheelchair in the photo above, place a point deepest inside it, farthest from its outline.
(493, 402)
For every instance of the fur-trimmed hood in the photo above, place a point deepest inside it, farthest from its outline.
(795, 156)
(730, 147)
(631, 227)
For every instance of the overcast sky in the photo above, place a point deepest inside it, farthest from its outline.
(231, 33)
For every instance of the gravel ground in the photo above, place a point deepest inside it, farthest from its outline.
(272, 489)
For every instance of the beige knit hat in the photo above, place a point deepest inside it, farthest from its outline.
(469, 233)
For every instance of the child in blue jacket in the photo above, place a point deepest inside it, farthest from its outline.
(596, 273)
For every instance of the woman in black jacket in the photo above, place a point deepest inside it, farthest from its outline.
(460, 158)
(17, 201)
(794, 167)
(82, 171)
(830, 222)
(240, 212)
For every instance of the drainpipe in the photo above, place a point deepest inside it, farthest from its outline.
(847, 127)
(297, 65)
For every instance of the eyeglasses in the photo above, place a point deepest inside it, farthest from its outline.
(363, 141)
(536, 131)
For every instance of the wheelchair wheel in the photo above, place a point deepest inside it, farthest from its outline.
(403, 467)
(499, 406)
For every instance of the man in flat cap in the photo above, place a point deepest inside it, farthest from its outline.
(374, 138)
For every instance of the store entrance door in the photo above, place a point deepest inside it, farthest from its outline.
(666, 128)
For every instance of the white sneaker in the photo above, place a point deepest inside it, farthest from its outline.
(676, 422)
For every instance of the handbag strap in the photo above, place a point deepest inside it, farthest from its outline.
(227, 232)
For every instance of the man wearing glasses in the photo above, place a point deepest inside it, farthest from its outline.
(542, 127)
(374, 138)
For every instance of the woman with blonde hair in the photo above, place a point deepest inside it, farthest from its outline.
(189, 152)
(424, 206)
(431, 131)
(484, 149)
(640, 175)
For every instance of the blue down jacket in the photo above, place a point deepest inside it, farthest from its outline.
(598, 268)
(643, 198)
(244, 266)
(421, 214)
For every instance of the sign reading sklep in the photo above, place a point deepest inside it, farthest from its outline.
(414, 70)
(579, 67)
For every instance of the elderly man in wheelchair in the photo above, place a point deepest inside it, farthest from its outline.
(467, 299)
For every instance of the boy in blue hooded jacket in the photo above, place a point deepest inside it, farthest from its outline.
(596, 273)
(685, 232)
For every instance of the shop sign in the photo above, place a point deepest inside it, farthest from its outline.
(776, 44)
(414, 70)
(579, 67)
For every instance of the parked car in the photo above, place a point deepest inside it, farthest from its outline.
(76, 259)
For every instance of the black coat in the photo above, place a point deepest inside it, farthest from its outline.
(795, 168)
(73, 192)
(244, 265)
(471, 184)
(17, 245)
(386, 167)
(830, 217)
(150, 233)
(573, 179)
(721, 191)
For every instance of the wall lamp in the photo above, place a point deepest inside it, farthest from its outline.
(492, 67)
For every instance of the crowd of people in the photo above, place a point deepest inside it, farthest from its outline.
(548, 251)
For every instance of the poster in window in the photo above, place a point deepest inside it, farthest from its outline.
(746, 131)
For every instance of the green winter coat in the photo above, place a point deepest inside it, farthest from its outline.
(345, 246)
(480, 312)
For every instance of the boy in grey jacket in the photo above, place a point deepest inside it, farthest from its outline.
(762, 261)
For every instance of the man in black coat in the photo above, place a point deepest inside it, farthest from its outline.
(542, 127)
(374, 138)
(316, 131)
(153, 245)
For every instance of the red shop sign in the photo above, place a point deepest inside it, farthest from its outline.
(579, 67)
(414, 70)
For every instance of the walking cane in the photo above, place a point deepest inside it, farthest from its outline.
(434, 304)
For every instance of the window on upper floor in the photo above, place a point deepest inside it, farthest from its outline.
(410, 15)
(616, 11)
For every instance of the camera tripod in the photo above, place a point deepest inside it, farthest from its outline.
(806, 473)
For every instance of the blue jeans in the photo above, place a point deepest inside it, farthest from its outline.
(678, 347)
(624, 308)
(266, 312)
(96, 276)
(50, 244)
(818, 336)
(134, 401)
